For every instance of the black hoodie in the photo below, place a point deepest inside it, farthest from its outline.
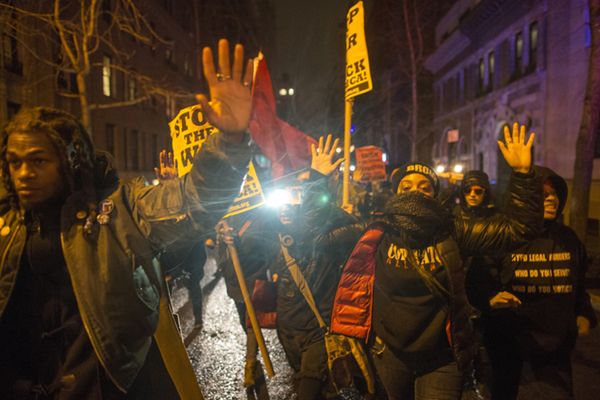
(547, 275)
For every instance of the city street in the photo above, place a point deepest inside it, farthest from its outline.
(217, 351)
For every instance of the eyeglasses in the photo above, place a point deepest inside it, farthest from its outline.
(477, 191)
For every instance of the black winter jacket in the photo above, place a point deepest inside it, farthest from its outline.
(113, 267)
(324, 235)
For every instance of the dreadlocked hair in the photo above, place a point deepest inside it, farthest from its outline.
(71, 142)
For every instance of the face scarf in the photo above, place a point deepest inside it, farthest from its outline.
(418, 220)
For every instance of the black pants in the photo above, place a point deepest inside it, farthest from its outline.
(532, 376)
(402, 382)
(309, 362)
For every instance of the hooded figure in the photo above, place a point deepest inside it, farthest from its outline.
(535, 305)
(475, 195)
(80, 283)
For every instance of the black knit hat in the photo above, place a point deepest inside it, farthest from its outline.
(415, 168)
(475, 177)
(479, 178)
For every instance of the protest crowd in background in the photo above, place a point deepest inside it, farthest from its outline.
(391, 284)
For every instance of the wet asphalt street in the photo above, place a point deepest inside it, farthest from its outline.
(217, 350)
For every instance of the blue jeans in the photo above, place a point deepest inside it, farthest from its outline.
(400, 382)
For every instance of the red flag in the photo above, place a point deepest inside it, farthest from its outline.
(285, 146)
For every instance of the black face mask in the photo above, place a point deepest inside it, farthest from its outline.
(418, 218)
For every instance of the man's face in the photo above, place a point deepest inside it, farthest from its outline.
(474, 195)
(550, 201)
(288, 214)
(34, 168)
(415, 183)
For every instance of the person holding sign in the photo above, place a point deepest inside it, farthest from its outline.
(81, 290)
(402, 288)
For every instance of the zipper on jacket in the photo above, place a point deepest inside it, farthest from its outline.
(174, 218)
(3, 260)
(95, 344)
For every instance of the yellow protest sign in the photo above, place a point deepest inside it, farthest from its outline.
(189, 130)
(250, 197)
(358, 72)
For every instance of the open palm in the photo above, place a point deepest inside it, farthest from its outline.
(230, 97)
(515, 150)
(322, 156)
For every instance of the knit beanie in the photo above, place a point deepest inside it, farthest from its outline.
(479, 178)
(475, 177)
(415, 168)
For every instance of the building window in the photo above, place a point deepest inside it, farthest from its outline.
(12, 109)
(518, 54)
(143, 149)
(168, 4)
(481, 76)
(597, 151)
(533, 45)
(109, 138)
(170, 107)
(491, 69)
(131, 89)
(107, 11)
(168, 54)
(134, 156)
(186, 66)
(125, 150)
(67, 81)
(10, 50)
(108, 78)
(154, 150)
(460, 94)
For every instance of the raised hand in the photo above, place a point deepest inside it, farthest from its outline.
(167, 168)
(322, 156)
(516, 152)
(230, 97)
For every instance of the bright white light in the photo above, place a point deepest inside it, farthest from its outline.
(283, 92)
(440, 169)
(384, 157)
(351, 148)
(278, 197)
(155, 182)
(458, 168)
(291, 91)
(352, 167)
(338, 150)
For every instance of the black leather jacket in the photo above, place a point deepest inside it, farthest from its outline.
(113, 266)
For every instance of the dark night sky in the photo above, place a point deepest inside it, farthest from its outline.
(309, 50)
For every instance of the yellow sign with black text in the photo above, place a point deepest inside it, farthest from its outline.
(358, 72)
(250, 197)
(189, 130)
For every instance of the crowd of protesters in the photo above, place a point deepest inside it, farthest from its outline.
(396, 298)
